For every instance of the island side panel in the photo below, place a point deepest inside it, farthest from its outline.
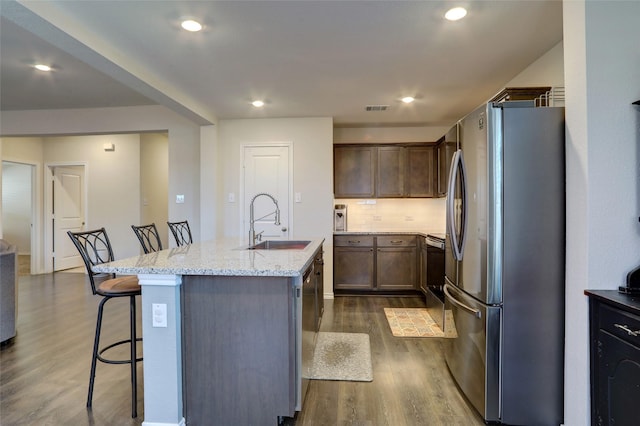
(238, 349)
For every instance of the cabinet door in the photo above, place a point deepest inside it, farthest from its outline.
(618, 376)
(391, 171)
(421, 170)
(353, 268)
(445, 154)
(396, 268)
(354, 171)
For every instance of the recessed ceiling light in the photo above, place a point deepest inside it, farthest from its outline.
(408, 99)
(257, 104)
(456, 13)
(42, 67)
(191, 25)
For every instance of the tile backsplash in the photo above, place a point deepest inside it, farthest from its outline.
(396, 214)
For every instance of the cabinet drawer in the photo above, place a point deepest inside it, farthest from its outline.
(622, 324)
(353, 241)
(397, 241)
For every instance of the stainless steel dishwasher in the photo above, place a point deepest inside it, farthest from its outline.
(308, 327)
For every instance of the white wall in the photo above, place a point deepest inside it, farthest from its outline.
(312, 140)
(602, 79)
(28, 151)
(112, 179)
(16, 205)
(388, 134)
(154, 182)
(548, 70)
(184, 142)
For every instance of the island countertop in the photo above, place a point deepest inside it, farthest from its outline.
(224, 256)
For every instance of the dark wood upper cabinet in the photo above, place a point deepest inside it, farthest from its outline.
(421, 171)
(391, 172)
(385, 171)
(354, 171)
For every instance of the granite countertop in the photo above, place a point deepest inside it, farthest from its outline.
(226, 256)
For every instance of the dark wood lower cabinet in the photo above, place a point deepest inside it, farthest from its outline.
(353, 268)
(614, 321)
(387, 263)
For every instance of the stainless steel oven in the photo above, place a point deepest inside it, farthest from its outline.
(435, 277)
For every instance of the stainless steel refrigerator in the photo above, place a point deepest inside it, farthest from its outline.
(504, 263)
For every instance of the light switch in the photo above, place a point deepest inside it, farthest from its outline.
(298, 197)
(231, 197)
(159, 314)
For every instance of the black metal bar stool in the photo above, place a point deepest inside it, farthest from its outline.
(148, 237)
(181, 232)
(95, 248)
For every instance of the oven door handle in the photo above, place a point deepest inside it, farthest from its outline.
(475, 312)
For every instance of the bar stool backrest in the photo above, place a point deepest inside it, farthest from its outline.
(95, 248)
(148, 237)
(181, 232)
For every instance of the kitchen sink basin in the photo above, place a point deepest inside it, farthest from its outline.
(281, 245)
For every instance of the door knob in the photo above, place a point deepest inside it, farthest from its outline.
(284, 229)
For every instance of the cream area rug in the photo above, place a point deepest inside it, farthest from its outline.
(342, 356)
(416, 322)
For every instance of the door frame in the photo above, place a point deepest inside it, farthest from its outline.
(36, 208)
(48, 206)
(243, 210)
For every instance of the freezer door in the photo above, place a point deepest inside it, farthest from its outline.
(472, 350)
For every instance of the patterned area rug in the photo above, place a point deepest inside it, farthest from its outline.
(342, 356)
(416, 322)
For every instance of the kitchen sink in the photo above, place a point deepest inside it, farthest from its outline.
(280, 245)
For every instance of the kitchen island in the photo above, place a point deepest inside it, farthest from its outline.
(228, 332)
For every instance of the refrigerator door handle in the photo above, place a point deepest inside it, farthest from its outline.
(475, 312)
(458, 246)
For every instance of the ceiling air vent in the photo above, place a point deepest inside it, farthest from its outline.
(376, 107)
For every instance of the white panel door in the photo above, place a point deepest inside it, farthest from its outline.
(68, 215)
(266, 170)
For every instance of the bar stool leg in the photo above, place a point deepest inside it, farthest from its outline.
(94, 358)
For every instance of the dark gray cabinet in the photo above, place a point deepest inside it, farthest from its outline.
(354, 171)
(614, 330)
(396, 262)
(353, 262)
(391, 172)
(385, 171)
(446, 147)
(368, 263)
(421, 171)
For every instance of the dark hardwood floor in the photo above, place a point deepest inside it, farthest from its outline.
(44, 372)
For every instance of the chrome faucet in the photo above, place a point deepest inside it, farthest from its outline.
(252, 231)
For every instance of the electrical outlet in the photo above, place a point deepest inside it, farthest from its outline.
(159, 314)
(377, 218)
(179, 199)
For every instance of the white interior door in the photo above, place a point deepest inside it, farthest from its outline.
(68, 214)
(267, 169)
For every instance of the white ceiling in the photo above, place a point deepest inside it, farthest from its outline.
(304, 58)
